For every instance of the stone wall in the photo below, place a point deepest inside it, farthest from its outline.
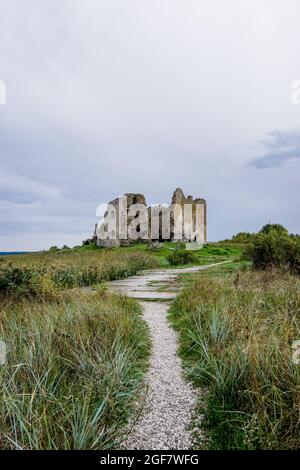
(178, 198)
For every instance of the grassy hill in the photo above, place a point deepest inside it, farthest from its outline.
(76, 360)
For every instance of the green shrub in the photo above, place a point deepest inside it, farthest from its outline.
(271, 249)
(243, 237)
(25, 281)
(181, 257)
(274, 228)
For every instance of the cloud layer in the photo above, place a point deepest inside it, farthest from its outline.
(104, 98)
(280, 148)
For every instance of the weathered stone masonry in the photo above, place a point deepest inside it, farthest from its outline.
(178, 198)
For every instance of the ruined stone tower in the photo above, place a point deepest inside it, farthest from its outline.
(168, 220)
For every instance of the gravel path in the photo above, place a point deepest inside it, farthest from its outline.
(170, 400)
(168, 405)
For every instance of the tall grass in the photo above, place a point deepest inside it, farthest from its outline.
(73, 366)
(40, 274)
(236, 334)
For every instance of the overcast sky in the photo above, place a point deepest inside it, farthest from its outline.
(111, 96)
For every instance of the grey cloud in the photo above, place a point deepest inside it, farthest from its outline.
(105, 98)
(281, 147)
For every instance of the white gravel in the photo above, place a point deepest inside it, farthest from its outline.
(170, 399)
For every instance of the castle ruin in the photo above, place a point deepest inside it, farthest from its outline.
(134, 221)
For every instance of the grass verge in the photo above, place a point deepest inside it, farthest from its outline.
(72, 369)
(42, 273)
(236, 331)
(208, 254)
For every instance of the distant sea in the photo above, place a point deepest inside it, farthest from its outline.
(4, 253)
